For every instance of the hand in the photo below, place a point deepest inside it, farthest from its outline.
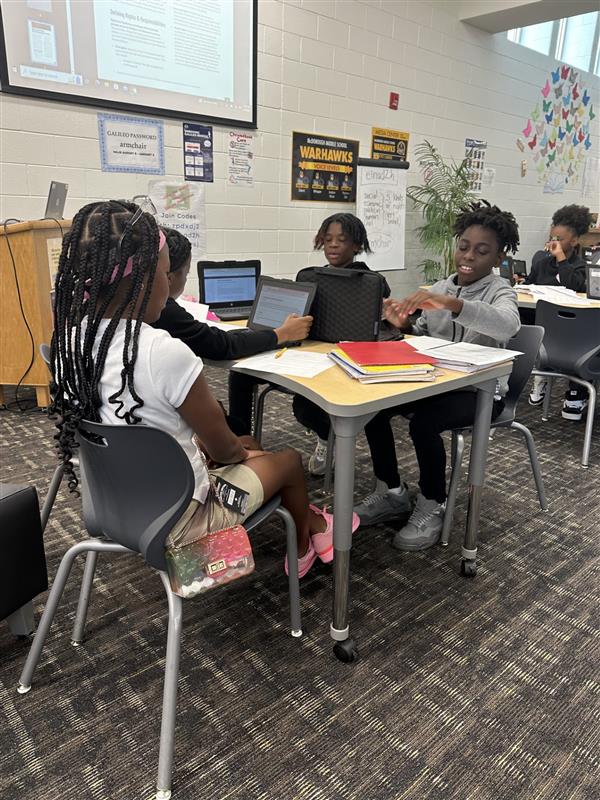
(555, 247)
(519, 278)
(294, 329)
(255, 454)
(398, 311)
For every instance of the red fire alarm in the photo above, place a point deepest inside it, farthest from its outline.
(394, 98)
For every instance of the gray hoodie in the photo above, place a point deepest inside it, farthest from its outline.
(489, 316)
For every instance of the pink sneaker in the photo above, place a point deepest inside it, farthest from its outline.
(323, 542)
(305, 562)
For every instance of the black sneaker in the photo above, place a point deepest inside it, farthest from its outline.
(574, 407)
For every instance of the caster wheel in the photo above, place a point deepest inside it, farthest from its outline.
(346, 651)
(468, 568)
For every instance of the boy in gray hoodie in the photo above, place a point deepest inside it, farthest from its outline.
(473, 305)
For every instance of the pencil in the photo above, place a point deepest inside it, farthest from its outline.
(280, 353)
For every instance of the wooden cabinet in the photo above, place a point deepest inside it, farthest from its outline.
(28, 256)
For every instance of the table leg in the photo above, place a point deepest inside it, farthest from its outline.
(479, 448)
(345, 429)
(42, 396)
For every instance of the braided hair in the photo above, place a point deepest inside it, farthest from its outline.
(179, 246)
(502, 223)
(351, 226)
(92, 263)
(576, 218)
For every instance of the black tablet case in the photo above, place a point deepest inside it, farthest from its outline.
(347, 305)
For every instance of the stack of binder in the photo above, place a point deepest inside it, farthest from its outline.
(383, 362)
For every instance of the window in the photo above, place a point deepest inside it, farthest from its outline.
(575, 40)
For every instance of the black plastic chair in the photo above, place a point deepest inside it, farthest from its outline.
(571, 349)
(136, 482)
(528, 341)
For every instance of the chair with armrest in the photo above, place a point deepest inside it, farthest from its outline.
(571, 349)
(136, 482)
(528, 341)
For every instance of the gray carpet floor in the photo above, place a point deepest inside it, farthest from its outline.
(486, 688)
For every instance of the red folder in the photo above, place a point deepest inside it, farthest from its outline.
(369, 354)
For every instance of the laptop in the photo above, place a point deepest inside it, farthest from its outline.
(57, 197)
(228, 287)
(519, 266)
(507, 270)
(276, 299)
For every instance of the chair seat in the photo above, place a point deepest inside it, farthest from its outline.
(263, 512)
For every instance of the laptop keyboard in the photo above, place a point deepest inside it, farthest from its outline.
(237, 312)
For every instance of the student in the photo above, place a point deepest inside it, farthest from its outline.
(560, 264)
(342, 237)
(207, 341)
(473, 305)
(111, 366)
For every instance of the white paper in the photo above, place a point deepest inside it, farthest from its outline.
(199, 311)
(423, 344)
(476, 354)
(225, 326)
(554, 294)
(298, 363)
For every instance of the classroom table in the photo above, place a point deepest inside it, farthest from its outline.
(350, 406)
(526, 300)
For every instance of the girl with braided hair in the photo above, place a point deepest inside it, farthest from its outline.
(472, 305)
(109, 365)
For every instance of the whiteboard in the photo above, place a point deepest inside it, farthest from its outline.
(381, 204)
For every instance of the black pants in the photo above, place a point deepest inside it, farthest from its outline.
(311, 416)
(241, 389)
(428, 419)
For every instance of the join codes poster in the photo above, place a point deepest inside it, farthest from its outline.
(323, 168)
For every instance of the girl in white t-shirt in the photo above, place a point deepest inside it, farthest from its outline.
(111, 366)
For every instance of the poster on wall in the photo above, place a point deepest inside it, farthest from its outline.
(475, 150)
(240, 158)
(381, 205)
(557, 133)
(323, 168)
(131, 144)
(197, 152)
(181, 206)
(389, 145)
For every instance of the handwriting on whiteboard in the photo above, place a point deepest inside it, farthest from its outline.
(381, 204)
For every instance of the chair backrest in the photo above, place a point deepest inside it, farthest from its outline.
(136, 482)
(571, 340)
(528, 341)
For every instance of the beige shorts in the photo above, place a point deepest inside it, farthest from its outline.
(238, 475)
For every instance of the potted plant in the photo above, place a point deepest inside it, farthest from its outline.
(445, 190)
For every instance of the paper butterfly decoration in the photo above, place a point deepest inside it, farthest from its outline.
(564, 72)
(539, 128)
(549, 117)
(592, 115)
(520, 145)
(566, 100)
(535, 114)
(561, 134)
(558, 91)
(585, 98)
(587, 143)
(527, 129)
(546, 89)
(533, 142)
(555, 75)
(575, 92)
(551, 157)
(546, 104)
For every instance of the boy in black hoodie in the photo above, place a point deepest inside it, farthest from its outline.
(560, 264)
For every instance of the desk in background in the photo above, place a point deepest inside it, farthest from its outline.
(350, 406)
(525, 300)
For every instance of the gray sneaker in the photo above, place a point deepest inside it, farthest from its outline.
(381, 506)
(423, 528)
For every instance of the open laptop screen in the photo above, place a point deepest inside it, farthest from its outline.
(229, 284)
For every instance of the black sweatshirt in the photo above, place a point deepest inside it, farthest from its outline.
(545, 271)
(213, 343)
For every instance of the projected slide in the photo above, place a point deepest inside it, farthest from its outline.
(185, 58)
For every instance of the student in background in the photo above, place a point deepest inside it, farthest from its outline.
(473, 305)
(111, 366)
(561, 264)
(342, 237)
(207, 341)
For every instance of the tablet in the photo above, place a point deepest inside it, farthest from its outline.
(276, 299)
(593, 282)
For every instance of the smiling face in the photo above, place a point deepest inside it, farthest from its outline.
(476, 254)
(338, 247)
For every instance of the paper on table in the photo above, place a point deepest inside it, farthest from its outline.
(298, 363)
(423, 344)
(198, 311)
(554, 294)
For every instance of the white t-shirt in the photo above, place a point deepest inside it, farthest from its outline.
(165, 370)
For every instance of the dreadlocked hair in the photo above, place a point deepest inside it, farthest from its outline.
(502, 223)
(179, 246)
(577, 218)
(92, 262)
(351, 226)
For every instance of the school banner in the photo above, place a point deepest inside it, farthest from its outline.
(323, 168)
(389, 145)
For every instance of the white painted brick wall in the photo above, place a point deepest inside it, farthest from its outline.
(325, 66)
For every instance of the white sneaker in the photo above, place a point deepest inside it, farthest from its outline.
(573, 406)
(536, 398)
(318, 461)
(423, 528)
(380, 506)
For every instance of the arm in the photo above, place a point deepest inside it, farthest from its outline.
(206, 418)
(573, 275)
(498, 319)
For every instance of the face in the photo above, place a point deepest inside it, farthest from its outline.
(178, 278)
(160, 287)
(567, 238)
(476, 254)
(339, 249)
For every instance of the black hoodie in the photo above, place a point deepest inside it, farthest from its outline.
(546, 271)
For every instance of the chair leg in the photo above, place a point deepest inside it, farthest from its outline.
(293, 580)
(56, 591)
(458, 446)
(78, 634)
(259, 409)
(51, 495)
(535, 464)
(589, 424)
(547, 399)
(328, 481)
(169, 706)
